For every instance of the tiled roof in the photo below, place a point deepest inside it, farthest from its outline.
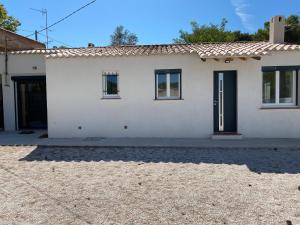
(35, 52)
(16, 42)
(205, 50)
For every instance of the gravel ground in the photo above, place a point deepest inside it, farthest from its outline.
(123, 186)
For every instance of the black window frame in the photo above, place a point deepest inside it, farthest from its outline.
(168, 71)
(104, 86)
(280, 69)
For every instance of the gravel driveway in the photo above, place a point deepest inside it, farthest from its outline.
(122, 186)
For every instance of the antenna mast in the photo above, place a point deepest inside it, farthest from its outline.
(44, 12)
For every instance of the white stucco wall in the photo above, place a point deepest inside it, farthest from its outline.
(256, 122)
(74, 92)
(18, 65)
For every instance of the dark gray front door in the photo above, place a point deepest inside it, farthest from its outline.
(225, 101)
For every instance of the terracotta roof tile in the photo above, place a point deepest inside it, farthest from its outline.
(204, 50)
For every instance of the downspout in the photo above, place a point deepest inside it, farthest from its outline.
(6, 78)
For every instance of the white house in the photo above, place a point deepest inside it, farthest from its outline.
(192, 90)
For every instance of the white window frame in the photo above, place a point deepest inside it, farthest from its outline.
(277, 91)
(169, 86)
(104, 85)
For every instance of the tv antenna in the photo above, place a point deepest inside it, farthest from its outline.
(44, 12)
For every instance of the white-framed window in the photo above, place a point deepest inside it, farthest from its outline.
(279, 88)
(168, 84)
(110, 85)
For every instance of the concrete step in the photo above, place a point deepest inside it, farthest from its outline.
(227, 136)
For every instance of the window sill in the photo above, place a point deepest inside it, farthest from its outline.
(110, 97)
(168, 99)
(280, 107)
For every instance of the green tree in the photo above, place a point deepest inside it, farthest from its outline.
(217, 33)
(262, 34)
(61, 46)
(206, 33)
(292, 32)
(8, 22)
(122, 36)
(239, 36)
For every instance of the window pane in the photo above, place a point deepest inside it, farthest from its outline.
(286, 87)
(269, 87)
(174, 85)
(161, 85)
(111, 84)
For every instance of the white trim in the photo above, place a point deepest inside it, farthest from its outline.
(277, 86)
(221, 101)
(168, 85)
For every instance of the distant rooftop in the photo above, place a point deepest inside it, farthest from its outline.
(17, 42)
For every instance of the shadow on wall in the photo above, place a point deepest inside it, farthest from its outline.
(257, 160)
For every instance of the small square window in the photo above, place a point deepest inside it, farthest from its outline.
(168, 84)
(110, 85)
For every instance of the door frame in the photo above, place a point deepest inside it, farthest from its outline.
(15, 80)
(236, 95)
(2, 103)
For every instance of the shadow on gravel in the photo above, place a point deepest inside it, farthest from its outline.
(257, 160)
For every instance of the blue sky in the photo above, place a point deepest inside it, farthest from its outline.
(154, 21)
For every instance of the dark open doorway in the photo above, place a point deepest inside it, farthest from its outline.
(31, 102)
(1, 105)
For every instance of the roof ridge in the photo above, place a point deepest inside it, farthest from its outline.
(150, 45)
(153, 45)
(158, 45)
